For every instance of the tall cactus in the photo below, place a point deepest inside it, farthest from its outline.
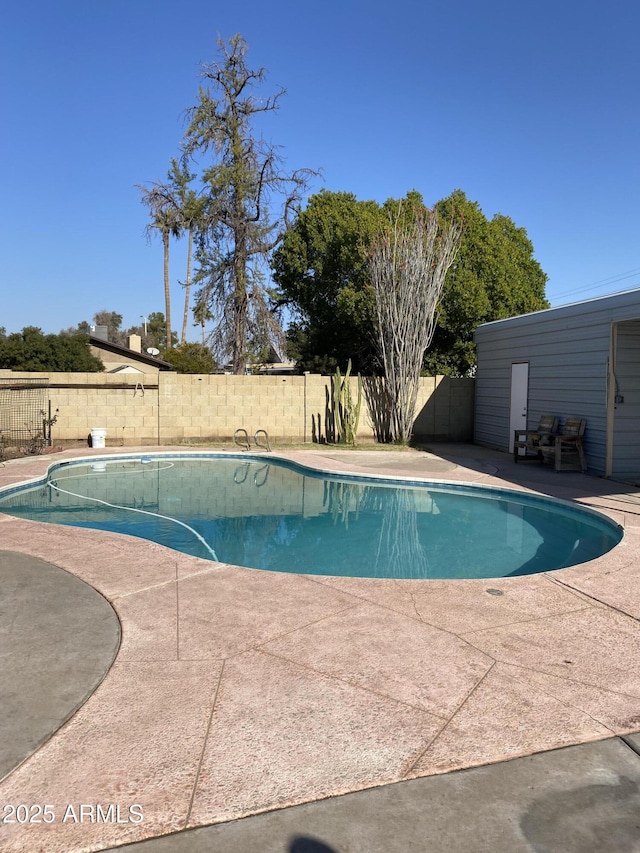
(343, 414)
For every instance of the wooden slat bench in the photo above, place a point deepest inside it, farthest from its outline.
(530, 440)
(566, 450)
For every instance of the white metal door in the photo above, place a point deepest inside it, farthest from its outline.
(519, 396)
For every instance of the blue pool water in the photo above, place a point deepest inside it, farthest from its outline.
(283, 517)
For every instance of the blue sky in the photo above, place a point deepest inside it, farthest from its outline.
(530, 108)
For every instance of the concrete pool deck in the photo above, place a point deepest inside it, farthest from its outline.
(236, 692)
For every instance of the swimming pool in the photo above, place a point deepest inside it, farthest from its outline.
(276, 515)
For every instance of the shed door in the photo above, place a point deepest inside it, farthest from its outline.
(519, 396)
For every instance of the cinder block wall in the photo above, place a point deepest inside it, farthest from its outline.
(171, 408)
(212, 407)
(126, 406)
(445, 409)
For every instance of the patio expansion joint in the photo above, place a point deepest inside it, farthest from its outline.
(625, 740)
(550, 578)
(541, 671)
(596, 576)
(258, 647)
(367, 600)
(564, 702)
(177, 579)
(468, 635)
(399, 612)
(417, 618)
(177, 614)
(549, 673)
(327, 583)
(406, 772)
(119, 596)
(623, 517)
(331, 677)
(205, 741)
(595, 598)
(212, 568)
(626, 502)
(465, 637)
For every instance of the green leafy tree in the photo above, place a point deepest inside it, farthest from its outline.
(494, 276)
(322, 273)
(190, 358)
(249, 199)
(321, 269)
(157, 331)
(31, 350)
(111, 319)
(154, 332)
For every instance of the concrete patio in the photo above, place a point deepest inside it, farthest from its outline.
(236, 692)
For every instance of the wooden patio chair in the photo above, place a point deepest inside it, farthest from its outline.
(565, 450)
(530, 440)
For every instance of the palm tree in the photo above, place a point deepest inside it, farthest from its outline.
(191, 212)
(165, 219)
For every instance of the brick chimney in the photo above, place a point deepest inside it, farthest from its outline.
(134, 342)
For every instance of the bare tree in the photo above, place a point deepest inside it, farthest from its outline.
(249, 199)
(408, 263)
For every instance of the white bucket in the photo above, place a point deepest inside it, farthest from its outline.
(98, 436)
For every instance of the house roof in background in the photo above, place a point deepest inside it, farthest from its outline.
(125, 352)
